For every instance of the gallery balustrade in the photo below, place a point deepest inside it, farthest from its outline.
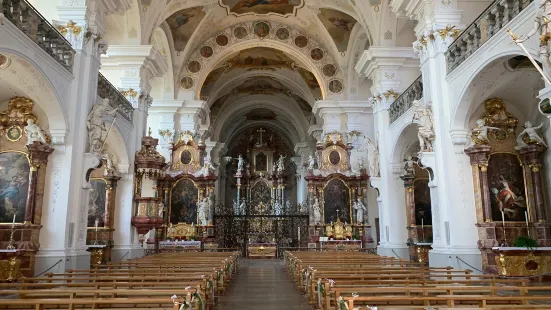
(25, 17)
(117, 100)
(405, 100)
(493, 19)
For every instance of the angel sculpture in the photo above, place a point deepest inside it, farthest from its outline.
(281, 163)
(533, 136)
(479, 134)
(34, 133)
(311, 162)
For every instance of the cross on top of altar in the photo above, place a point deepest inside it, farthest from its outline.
(260, 131)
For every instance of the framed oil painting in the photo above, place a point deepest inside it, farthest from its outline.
(97, 202)
(506, 186)
(336, 197)
(14, 185)
(421, 194)
(183, 202)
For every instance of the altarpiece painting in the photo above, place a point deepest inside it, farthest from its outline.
(506, 185)
(97, 202)
(423, 214)
(14, 184)
(183, 202)
(336, 196)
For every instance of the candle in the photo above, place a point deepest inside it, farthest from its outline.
(13, 223)
(503, 218)
(97, 222)
(526, 215)
(422, 223)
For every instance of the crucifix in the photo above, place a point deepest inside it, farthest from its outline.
(261, 131)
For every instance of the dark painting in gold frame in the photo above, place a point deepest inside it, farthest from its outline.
(507, 189)
(14, 185)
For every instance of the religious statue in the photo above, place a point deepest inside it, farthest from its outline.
(316, 211)
(311, 162)
(423, 115)
(409, 168)
(109, 167)
(202, 212)
(288, 205)
(242, 207)
(235, 207)
(240, 163)
(95, 124)
(373, 157)
(360, 208)
(281, 163)
(34, 133)
(479, 134)
(533, 136)
(277, 208)
(207, 165)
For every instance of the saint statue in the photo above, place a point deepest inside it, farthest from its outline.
(422, 115)
(34, 133)
(360, 209)
(277, 208)
(532, 134)
(202, 212)
(373, 157)
(109, 167)
(95, 124)
(281, 163)
(243, 207)
(207, 165)
(288, 205)
(235, 207)
(409, 168)
(479, 134)
(316, 211)
(240, 163)
(311, 162)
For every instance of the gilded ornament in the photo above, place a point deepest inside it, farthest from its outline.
(14, 133)
(449, 31)
(391, 93)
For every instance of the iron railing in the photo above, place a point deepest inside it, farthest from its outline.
(25, 17)
(106, 90)
(404, 101)
(493, 19)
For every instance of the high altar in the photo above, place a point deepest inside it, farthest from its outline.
(337, 198)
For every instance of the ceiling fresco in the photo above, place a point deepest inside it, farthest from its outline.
(182, 25)
(262, 7)
(339, 25)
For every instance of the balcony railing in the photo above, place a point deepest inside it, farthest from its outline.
(25, 17)
(106, 90)
(403, 103)
(493, 19)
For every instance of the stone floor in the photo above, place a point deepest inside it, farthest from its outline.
(262, 284)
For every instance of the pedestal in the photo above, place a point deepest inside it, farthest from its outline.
(96, 254)
(523, 262)
(10, 261)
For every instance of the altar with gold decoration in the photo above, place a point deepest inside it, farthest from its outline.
(262, 250)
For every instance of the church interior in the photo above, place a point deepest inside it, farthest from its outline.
(276, 154)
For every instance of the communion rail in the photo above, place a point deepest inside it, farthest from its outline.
(106, 90)
(25, 17)
(405, 100)
(493, 19)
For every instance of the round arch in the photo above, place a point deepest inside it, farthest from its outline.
(117, 146)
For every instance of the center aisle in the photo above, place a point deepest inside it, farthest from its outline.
(262, 284)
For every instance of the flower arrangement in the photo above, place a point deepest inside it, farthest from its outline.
(526, 242)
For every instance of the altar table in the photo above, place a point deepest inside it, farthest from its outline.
(10, 262)
(522, 262)
(262, 250)
(180, 245)
(340, 245)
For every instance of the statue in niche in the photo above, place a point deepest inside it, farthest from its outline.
(373, 157)
(34, 133)
(240, 164)
(423, 116)
(242, 207)
(311, 162)
(532, 136)
(479, 134)
(316, 211)
(95, 124)
(409, 168)
(360, 209)
(202, 212)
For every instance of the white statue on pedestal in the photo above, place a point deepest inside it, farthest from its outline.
(373, 157)
(235, 207)
(281, 163)
(242, 207)
(360, 209)
(109, 167)
(409, 168)
(311, 162)
(316, 211)
(479, 134)
(202, 212)
(423, 115)
(277, 208)
(533, 136)
(95, 124)
(207, 166)
(34, 133)
(240, 163)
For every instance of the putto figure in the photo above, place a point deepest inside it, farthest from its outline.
(533, 136)
(311, 162)
(479, 134)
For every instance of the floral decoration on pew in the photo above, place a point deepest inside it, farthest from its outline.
(185, 305)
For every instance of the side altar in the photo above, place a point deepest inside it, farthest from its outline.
(337, 196)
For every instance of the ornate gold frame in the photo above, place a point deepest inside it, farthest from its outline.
(30, 167)
(349, 198)
(170, 196)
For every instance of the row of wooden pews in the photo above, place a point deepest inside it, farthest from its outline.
(163, 281)
(352, 280)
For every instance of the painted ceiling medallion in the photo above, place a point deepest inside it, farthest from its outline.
(282, 33)
(186, 82)
(262, 7)
(261, 29)
(240, 32)
(222, 40)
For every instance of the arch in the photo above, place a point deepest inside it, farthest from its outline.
(463, 108)
(251, 40)
(405, 139)
(31, 80)
(117, 146)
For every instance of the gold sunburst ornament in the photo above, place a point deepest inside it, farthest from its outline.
(14, 133)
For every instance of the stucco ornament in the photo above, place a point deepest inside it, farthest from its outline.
(422, 115)
(95, 124)
(373, 157)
